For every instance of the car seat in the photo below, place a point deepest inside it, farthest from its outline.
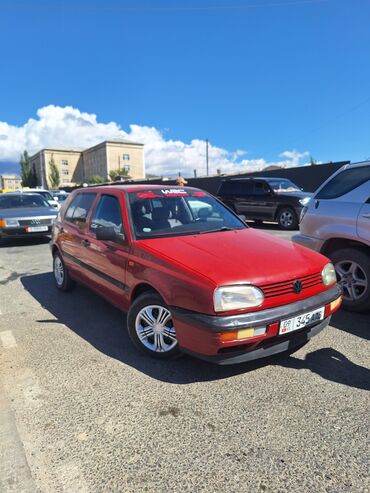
(160, 216)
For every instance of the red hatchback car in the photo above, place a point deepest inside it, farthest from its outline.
(191, 274)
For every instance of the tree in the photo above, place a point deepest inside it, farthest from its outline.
(54, 175)
(28, 174)
(96, 179)
(114, 173)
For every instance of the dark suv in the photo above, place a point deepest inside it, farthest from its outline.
(265, 199)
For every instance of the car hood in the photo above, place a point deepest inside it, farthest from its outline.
(28, 212)
(237, 256)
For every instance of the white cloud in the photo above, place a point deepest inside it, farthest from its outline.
(68, 127)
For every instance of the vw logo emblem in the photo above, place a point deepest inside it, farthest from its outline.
(297, 286)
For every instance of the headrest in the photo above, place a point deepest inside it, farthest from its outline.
(160, 214)
(204, 212)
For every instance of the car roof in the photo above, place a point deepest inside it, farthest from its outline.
(133, 188)
(18, 193)
(259, 178)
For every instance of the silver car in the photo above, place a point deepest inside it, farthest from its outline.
(25, 215)
(336, 222)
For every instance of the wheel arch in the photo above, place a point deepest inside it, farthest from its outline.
(334, 244)
(142, 288)
(283, 206)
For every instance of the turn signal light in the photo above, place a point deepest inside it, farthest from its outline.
(241, 334)
(2, 223)
(334, 305)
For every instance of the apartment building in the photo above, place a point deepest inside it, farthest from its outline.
(79, 165)
(10, 182)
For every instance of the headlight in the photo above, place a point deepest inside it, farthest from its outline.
(11, 222)
(304, 201)
(237, 297)
(328, 275)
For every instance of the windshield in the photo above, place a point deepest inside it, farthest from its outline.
(283, 185)
(24, 200)
(173, 212)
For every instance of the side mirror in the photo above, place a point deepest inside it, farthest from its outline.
(108, 233)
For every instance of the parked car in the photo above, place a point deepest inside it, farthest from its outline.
(53, 201)
(60, 196)
(193, 279)
(336, 222)
(25, 215)
(265, 199)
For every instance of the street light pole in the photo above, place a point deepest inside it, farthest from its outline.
(207, 155)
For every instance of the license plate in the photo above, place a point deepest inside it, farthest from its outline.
(36, 229)
(301, 321)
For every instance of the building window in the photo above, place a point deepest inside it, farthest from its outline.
(127, 168)
(64, 162)
(65, 172)
(126, 157)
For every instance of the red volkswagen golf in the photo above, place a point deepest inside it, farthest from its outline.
(191, 275)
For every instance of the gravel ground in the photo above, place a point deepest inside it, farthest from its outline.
(82, 411)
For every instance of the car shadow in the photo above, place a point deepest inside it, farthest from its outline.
(353, 323)
(268, 226)
(104, 327)
(23, 242)
(331, 365)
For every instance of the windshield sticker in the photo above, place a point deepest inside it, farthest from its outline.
(174, 191)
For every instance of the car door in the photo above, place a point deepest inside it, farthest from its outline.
(73, 231)
(242, 193)
(336, 205)
(363, 221)
(264, 201)
(105, 262)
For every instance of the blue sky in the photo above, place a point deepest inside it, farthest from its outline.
(264, 76)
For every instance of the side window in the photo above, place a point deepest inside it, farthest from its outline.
(80, 207)
(344, 182)
(260, 188)
(107, 213)
(69, 213)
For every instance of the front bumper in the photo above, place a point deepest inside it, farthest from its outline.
(21, 232)
(199, 334)
(308, 241)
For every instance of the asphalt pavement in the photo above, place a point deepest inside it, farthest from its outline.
(82, 411)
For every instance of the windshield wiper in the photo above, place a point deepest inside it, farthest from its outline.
(224, 228)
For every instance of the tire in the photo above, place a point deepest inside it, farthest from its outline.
(159, 342)
(353, 272)
(287, 218)
(62, 278)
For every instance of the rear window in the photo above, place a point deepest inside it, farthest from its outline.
(80, 207)
(344, 182)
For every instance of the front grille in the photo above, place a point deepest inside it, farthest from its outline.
(35, 222)
(286, 287)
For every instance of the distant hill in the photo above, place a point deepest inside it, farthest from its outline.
(10, 169)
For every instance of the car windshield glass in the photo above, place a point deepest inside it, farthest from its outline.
(25, 200)
(174, 212)
(283, 185)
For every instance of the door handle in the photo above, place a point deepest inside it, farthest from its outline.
(366, 215)
(85, 243)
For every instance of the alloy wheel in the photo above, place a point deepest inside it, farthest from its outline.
(58, 271)
(352, 278)
(155, 330)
